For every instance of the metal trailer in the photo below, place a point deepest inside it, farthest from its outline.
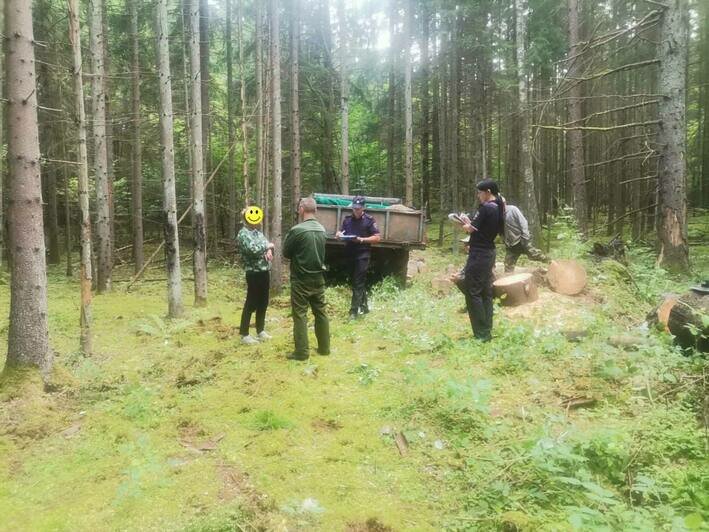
(402, 229)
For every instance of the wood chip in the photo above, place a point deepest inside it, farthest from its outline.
(401, 443)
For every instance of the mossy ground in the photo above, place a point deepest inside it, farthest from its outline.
(176, 426)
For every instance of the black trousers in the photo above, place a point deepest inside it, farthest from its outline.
(359, 285)
(479, 277)
(257, 286)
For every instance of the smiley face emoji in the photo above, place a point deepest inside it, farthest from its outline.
(253, 215)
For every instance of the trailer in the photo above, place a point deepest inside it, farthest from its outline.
(402, 229)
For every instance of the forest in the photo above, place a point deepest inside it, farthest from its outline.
(135, 133)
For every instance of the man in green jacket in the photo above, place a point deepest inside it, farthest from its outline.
(304, 245)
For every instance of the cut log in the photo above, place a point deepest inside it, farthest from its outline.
(516, 289)
(441, 285)
(662, 313)
(566, 277)
(687, 321)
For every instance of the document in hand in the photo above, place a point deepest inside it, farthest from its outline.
(455, 217)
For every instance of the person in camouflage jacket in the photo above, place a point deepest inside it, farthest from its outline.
(256, 254)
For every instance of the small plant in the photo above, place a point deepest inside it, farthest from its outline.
(366, 374)
(161, 328)
(269, 420)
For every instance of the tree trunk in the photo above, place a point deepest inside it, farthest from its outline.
(187, 88)
(242, 94)
(67, 221)
(199, 257)
(110, 171)
(425, 112)
(453, 122)
(86, 267)
(295, 107)
(277, 208)
(260, 93)
(103, 192)
(167, 145)
(704, 182)
(529, 199)
(391, 154)
(231, 175)
(28, 335)
(575, 136)
(54, 255)
(671, 137)
(344, 99)
(2, 159)
(408, 110)
(206, 108)
(136, 151)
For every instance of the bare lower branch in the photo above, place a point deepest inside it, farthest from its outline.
(644, 154)
(598, 128)
(610, 111)
(644, 178)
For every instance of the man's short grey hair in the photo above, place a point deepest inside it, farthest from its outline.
(308, 205)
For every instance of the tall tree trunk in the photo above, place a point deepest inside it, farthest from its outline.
(110, 170)
(276, 221)
(330, 114)
(425, 111)
(344, 99)
(210, 219)
(167, 145)
(242, 94)
(67, 220)
(529, 200)
(295, 105)
(454, 119)
(260, 101)
(671, 137)
(54, 255)
(391, 100)
(28, 335)
(704, 181)
(231, 174)
(199, 257)
(2, 159)
(86, 267)
(575, 136)
(136, 151)
(408, 110)
(103, 193)
(187, 88)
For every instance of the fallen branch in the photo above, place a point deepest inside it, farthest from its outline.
(644, 178)
(628, 214)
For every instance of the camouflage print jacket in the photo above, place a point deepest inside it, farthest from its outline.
(252, 248)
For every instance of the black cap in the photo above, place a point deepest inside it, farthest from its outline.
(358, 201)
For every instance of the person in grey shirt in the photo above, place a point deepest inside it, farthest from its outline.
(517, 239)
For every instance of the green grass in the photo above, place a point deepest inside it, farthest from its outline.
(177, 426)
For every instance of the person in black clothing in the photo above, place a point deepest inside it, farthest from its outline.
(360, 231)
(485, 225)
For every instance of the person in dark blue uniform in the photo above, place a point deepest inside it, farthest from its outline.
(360, 231)
(485, 225)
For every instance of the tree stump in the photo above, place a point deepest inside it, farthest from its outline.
(566, 277)
(516, 289)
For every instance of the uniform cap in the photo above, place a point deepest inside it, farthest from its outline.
(358, 201)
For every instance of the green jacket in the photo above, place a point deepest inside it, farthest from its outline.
(252, 247)
(304, 245)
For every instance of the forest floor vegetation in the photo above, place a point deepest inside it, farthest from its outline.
(410, 424)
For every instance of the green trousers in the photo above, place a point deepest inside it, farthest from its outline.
(309, 291)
